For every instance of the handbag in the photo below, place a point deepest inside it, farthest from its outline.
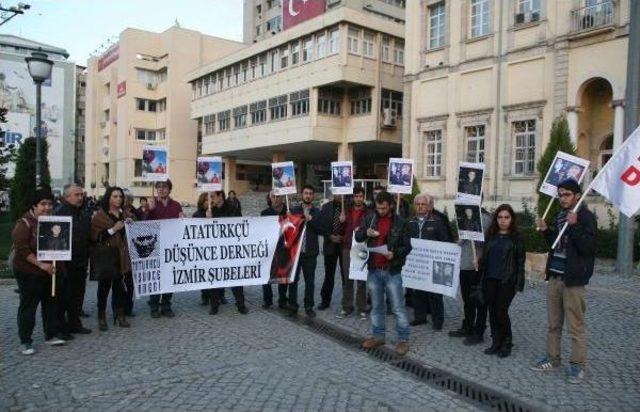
(105, 263)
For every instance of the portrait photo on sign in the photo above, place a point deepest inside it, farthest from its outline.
(563, 167)
(54, 238)
(283, 178)
(400, 179)
(154, 163)
(470, 176)
(209, 173)
(468, 218)
(342, 178)
(443, 273)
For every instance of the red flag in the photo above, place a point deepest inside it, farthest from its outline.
(297, 11)
(285, 259)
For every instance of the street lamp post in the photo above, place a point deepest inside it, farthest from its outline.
(40, 70)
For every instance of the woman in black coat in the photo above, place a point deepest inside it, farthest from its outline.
(502, 265)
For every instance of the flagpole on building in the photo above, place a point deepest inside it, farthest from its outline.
(624, 262)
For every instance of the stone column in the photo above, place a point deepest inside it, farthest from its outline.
(618, 123)
(229, 182)
(572, 119)
(345, 152)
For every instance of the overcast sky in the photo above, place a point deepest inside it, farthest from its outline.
(82, 26)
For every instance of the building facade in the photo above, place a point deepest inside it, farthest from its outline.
(137, 95)
(485, 79)
(18, 94)
(329, 88)
(263, 19)
(81, 91)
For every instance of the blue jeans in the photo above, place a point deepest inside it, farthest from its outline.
(379, 281)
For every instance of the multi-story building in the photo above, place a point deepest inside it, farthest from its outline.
(18, 94)
(328, 88)
(264, 18)
(486, 78)
(137, 95)
(81, 90)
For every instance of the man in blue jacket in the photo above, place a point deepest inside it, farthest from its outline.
(569, 268)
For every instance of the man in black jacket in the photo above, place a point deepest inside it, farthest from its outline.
(569, 268)
(308, 255)
(276, 207)
(430, 226)
(74, 272)
(222, 208)
(379, 229)
(332, 224)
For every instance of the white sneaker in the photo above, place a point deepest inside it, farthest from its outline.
(27, 349)
(54, 342)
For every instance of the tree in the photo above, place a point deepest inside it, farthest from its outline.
(560, 141)
(23, 185)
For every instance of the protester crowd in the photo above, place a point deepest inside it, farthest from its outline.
(491, 272)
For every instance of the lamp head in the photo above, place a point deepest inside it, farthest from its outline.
(39, 66)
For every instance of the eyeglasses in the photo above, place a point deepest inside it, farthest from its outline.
(565, 194)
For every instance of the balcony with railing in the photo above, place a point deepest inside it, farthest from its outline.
(592, 17)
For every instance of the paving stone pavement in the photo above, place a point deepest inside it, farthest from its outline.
(197, 361)
(613, 336)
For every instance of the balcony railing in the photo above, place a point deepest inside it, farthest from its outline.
(592, 17)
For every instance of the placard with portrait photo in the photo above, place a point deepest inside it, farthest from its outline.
(342, 178)
(470, 178)
(209, 173)
(469, 220)
(54, 238)
(283, 178)
(155, 164)
(563, 167)
(400, 178)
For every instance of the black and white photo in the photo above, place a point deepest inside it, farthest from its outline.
(563, 167)
(443, 273)
(54, 238)
(468, 218)
(400, 179)
(470, 177)
(342, 178)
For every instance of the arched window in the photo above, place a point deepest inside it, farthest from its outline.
(606, 150)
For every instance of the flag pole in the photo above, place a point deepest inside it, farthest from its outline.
(53, 281)
(546, 212)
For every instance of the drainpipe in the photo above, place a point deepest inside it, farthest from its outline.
(498, 104)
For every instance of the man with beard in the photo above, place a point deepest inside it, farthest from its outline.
(308, 255)
(221, 208)
(74, 272)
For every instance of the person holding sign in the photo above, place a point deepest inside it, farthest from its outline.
(276, 207)
(426, 225)
(162, 207)
(503, 266)
(569, 268)
(384, 229)
(33, 276)
(332, 219)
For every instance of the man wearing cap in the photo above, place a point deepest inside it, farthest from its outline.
(569, 268)
(162, 207)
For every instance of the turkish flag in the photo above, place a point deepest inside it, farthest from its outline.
(297, 11)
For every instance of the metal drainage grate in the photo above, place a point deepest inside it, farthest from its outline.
(470, 391)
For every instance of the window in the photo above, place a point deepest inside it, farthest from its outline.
(236, 75)
(525, 147)
(148, 105)
(273, 61)
(360, 101)
(254, 64)
(224, 120)
(295, 53)
(209, 124)
(220, 80)
(162, 105)
(258, 111)
(228, 73)
(141, 104)
(194, 89)
(321, 45)
(299, 103)
(262, 65)
(437, 21)
(151, 105)
(330, 101)
(368, 45)
(475, 143)
(386, 49)
(240, 117)
(352, 41)
(479, 18)
(278, 107)
(243, 72)
(284, 57)
(258, 30)
(137, 167)
(528, 11)
(106, 115)
(274, 24)
(146, 134)
(391, 100)
(307, 50)
(334, 41)
(398, 53)
(433, 153)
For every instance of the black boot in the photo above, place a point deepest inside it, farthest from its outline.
(493, 349)
(505, 348)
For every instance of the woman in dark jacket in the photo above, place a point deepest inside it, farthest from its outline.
(502, 264)
(107, 228)
(204, 210)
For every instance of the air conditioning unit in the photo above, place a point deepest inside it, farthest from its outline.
(535, 16)
(151, 86)
(389, 117)
(519, 18)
